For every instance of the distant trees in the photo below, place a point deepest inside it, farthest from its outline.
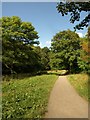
(46, 58)
(65, 50)
(43, 54)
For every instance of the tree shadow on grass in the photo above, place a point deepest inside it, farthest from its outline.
(21, 76)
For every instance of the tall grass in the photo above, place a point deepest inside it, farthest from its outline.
(26, 98)
(81, 84)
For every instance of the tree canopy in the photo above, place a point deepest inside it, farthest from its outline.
(13, 28)
(18, 39)
(75, 9)
(19, 53)
(65, 49)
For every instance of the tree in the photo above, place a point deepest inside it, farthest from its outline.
(89, 35)
(45, 57)
(15, 29)
(84, 59)
(43, 54)
(18, 39)
(65, 49)
(75, 9)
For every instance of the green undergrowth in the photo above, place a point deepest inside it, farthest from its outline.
(81, 84)
(26, 98)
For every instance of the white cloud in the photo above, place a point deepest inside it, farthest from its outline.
(41, 45)
(48, 42)
(80, 34)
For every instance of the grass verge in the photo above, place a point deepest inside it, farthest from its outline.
(26, 98)
(80, 83)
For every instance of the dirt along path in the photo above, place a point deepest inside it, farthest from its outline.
(65, 102)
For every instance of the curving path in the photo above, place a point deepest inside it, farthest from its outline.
(65, 102)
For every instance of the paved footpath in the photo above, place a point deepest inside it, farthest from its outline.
(65, 102)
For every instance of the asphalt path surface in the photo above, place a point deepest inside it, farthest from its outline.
(65, 102)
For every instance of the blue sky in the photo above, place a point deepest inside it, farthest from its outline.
(43, 16)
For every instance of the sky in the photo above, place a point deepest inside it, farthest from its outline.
(43, 16)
